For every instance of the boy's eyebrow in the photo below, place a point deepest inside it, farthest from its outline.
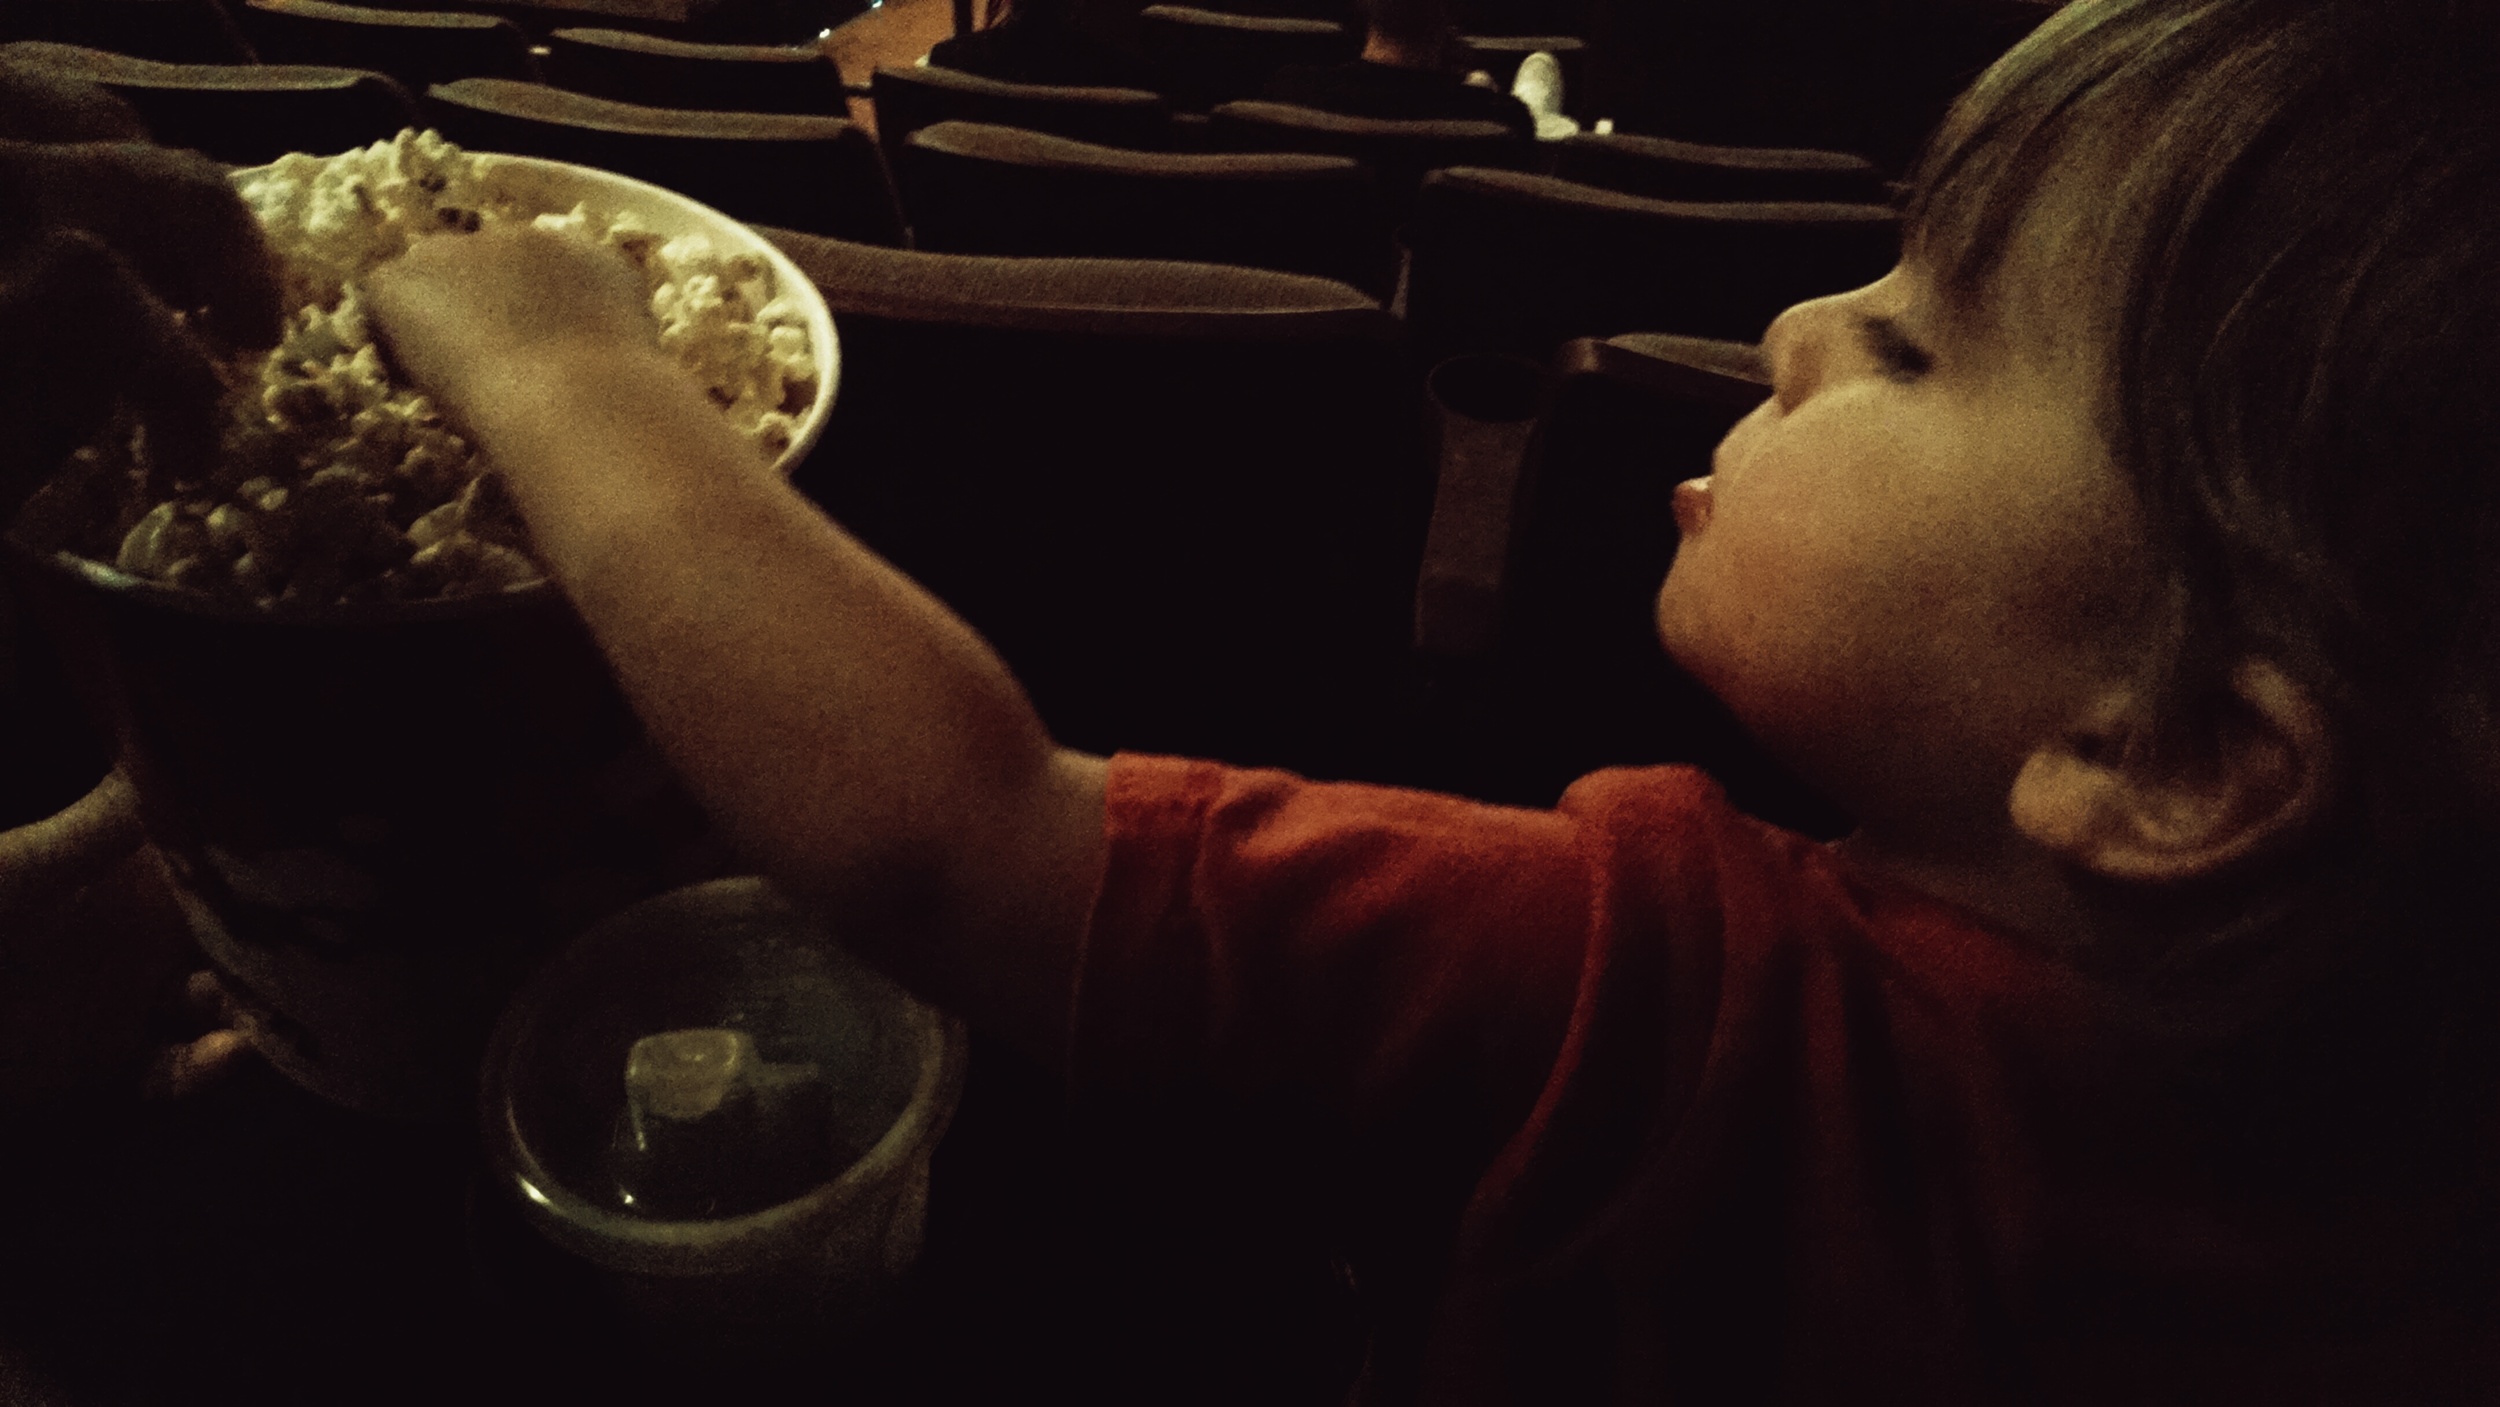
(1891, 344)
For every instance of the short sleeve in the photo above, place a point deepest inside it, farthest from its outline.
(1379, 956)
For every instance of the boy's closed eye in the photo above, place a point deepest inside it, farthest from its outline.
(1899, 357)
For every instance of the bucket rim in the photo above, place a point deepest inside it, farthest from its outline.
(98, 578)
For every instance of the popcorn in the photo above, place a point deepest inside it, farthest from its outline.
(332, 483)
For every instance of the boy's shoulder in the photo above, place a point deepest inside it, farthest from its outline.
(1654, 845)
(1675, 847)
(1640, 854)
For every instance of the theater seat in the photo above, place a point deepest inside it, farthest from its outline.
(1205, 57)
(416, 47)
(910, 98)
(243, 114)
(169, 31)
(658, 72)
(1398, 151)
(1185, 501)
(978, 189)
(1501, 261)
(820, 174)
(1344, 12)
(1663, 169)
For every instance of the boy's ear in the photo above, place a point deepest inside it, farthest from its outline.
(2115, 811)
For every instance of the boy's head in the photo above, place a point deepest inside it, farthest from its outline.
(2253, 243)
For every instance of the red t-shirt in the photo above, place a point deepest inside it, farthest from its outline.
(1701, 1112)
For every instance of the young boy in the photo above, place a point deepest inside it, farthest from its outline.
(2121, 560)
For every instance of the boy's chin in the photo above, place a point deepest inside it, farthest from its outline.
(1678, 626)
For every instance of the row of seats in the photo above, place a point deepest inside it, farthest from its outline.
(1717, 73)
(1207, 56)
(420, 48)
(1494, 259)
(816, 173)
(216, 31)
(909, 98)
(1497, 259)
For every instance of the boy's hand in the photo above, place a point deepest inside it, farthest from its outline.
(122, 267)
(467, 315)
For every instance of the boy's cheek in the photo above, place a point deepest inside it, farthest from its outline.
(1737, 444)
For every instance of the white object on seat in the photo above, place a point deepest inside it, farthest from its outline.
(1539, 84)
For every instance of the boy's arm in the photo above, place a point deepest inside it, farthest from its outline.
(859, 742)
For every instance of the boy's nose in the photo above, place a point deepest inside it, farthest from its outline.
(1797, 346)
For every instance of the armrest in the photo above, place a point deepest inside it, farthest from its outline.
(1690, 368)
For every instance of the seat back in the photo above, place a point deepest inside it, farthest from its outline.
(1501, 261)
(909, 99)
(1536, 18)
(763, 22)
(1845, 75)
(169, 31)
(1184, 501)
(657, 72)
(820, 174)
(243, 114)
(1204, 57)
(1662, 169)
(977, 189)
(1399, 151)
(1345, 12)
(417, 47)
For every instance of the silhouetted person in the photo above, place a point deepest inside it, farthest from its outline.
(1410, 68)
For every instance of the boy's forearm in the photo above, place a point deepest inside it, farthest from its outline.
(860, 742)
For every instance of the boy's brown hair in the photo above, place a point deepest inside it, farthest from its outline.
(2290, 214)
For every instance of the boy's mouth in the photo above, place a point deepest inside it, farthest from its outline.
(1692, 505)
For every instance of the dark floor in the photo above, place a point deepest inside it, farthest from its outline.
(254, 1245)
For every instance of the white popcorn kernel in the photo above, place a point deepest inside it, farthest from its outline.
(435, 525)
(229, 529)
(143, 547)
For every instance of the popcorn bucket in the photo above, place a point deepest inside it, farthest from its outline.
(381, 814)
(379, 821)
